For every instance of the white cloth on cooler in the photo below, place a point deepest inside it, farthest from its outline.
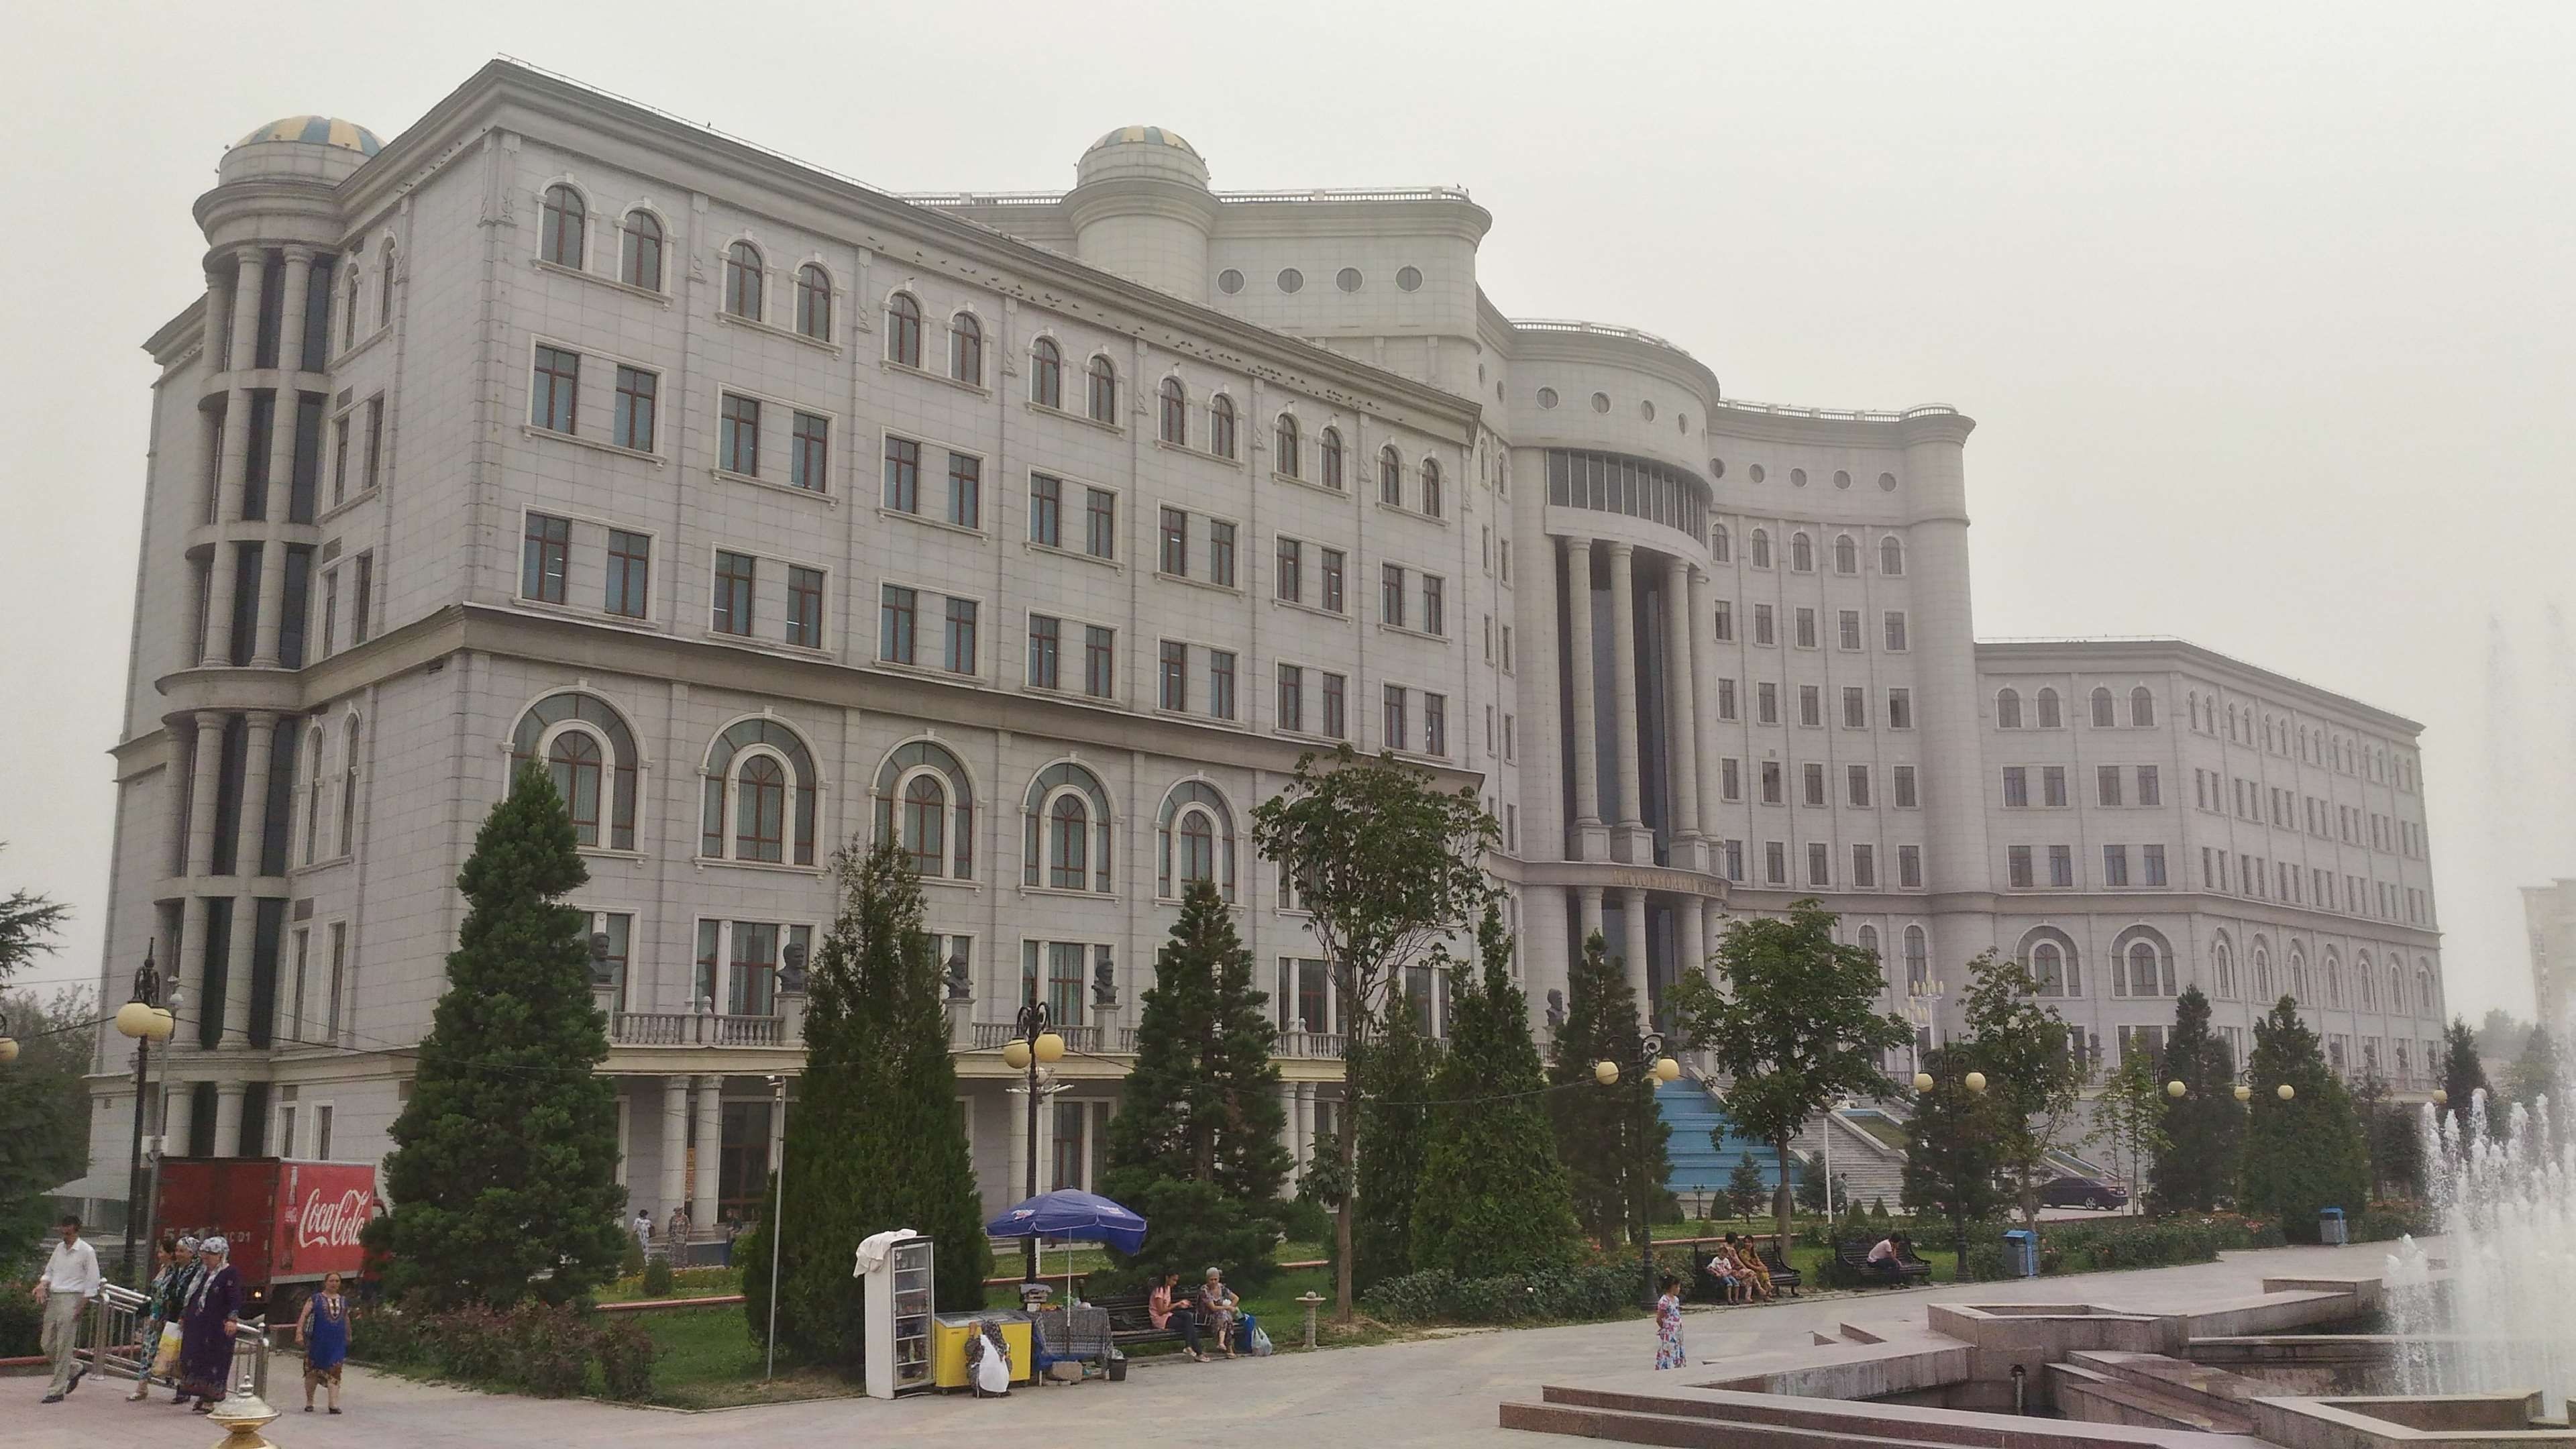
(993, 1373)
(873, 1250)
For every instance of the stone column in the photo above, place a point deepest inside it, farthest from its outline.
(1690, 937)
(1542, 957)
(205, 780)
(259, 759)
(276, 508)
(237, 971)
(1681, 737)
(1578, 673)
(1632, 911)
(1017, 1104)
(1623, 688)
(219, 318)
(1288, 1136)
(1588, 921)
(244, 339)
(702, 1186)
(1704, 674)
(675, 1152)
(228, 1118)
(1302, 1127)
(220, 571)
(290, 332)
(188, 970)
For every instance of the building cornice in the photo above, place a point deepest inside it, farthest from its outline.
(1536, 341)
(1837, 427)
(2134, 654)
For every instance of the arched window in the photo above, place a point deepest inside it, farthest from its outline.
(2050, 969)
(2367, 979)
(1194, 840)
(1868, 940)
(1046, 373)
(1065, 831)
(2396, 989)
(2102, 717)
(349, 788)
(1891, 556)
(1846, 554)
(1390, 476)
(903, 330)
(764, 772)
(584, 744)
(385, 289)
(1172, 418)
(814, 302)
(2050, 717)
(1285, 448)
(2143, 969)
(1221, 425)
(966, 349)
(1431, 502)
(1761, 547)
(2425, 1005)
(313, 797)
(2334, 978)
(2142, 706)
(561, 225)
(2263, 993)
(2141, 964)
(639, 262)
(349, 313)
(1103, 375)
(2222, 965)
(2299, 976)
(1719, 545)
(1328, 458)
(926, 804)
(1802, 554)
(745, 282)
(2008, 709)
(1918, 959)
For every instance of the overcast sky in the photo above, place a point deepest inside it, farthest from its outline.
(2262, 310)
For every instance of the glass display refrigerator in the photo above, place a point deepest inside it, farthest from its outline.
(899, 1319)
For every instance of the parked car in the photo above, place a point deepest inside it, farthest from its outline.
(2083, 1192)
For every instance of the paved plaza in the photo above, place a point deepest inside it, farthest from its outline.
(1440, 1391)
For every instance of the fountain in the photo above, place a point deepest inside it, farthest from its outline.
(2504, 1319)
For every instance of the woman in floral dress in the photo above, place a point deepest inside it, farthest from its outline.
(1668, 1326)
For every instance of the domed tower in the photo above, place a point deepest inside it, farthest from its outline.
(1141, 207)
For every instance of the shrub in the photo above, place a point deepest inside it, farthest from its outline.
(393, 1338)
(2391, 1220)
(552, 1347)
(1593, 1291)
(471, 1344)
(630, 1262)
(657, 1278)
(626, 1354)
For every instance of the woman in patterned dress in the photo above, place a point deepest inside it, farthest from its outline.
(1668, 1326)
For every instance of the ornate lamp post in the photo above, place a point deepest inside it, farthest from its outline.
(1658, 1069)
(145, 1020)
(1031, 1046)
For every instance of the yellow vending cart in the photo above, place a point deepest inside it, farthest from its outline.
(948, 1335)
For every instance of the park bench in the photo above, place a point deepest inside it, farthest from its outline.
(1131, 1321)
(1851, 1265)
(1704, 1287)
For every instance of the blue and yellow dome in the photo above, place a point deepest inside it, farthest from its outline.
(319, 131)
(1144, 136)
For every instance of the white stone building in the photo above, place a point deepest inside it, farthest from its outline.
(1046, 532)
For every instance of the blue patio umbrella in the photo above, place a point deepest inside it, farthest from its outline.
(1071, 1215)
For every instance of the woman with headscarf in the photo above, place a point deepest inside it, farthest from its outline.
(207, 1326)
(160, 1308)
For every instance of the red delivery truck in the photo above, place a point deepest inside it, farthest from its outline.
(287, 1221)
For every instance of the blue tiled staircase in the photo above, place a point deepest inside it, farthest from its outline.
(1698, 1166)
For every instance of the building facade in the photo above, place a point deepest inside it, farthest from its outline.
(1044, 534)
(2549, 914)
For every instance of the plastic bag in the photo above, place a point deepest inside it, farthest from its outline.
(1260, 1342)
(165, 1359)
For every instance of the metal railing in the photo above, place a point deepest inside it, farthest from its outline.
(1228, 198)
(1843, 415)
(1597, 329)
(696, 1028)
(118, 1348)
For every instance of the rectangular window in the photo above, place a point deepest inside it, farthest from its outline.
(630, 570)
(1292, 572)
(1511, 749)
(805, 606)
(1820, 863)
(1763, 630)
(1099, 661)
(734, 573)
(1435, 612)
(1864, 868)
(1775, 862)
(2106, 784)
(1221, 553)
(1291, 709)
(362, 598)
(1855, 708)
(1903, 779)
(1726, 699)
(809, 452)
(1331, 559)
(1811, 781)
(545, 559)
(2115, 865)
(959, 654)
(2052, 784)
(2016, 787)
(902, 474)
(2151, 865)
(1734, 863)
(1221, 683)
(1507, 648)
(1805, 620)
(330, 613)
(553, 391)
(2150, 788)
(1390, 604)
(1100, 523)
(631, 425)
(1856, 785)
(339, 458)
(375, 439)
(1730, 779)
(1435, 725)
(738, 435)
(1766, 702)
(2061, 866)
(1335, 724)
(1175, 558)
(965, 490)
(1045, 639)
(1847, 629)
(1176, 675)
(1900, 709)
(2017, 866)
(1725, 623)
(1895, 631)
(1909, 867)
(1398, 734)
(1811, 706)
(1771, 782)
(1046, 510)
(897, 624)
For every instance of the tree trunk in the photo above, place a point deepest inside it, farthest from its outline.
(1345, 1312)
(1781, 1201)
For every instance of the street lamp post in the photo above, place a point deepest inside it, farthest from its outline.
(777, 1218)
(1975, 1082)
(145, 1020)
(1032, 1045)
(1658, 1069)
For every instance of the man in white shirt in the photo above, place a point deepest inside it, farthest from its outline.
(69, 1282)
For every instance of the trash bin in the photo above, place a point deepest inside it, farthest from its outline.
(1117, 1367)
(2021, 1254)
(2332, 1230)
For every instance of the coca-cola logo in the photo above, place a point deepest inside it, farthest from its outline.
(333, 1223)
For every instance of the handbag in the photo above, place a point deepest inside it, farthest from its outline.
(166, 1359)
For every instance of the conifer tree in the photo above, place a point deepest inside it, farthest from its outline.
(2206, 1126)
(873, 1138)
(1612, 1143)
(2464, 1076)
(1745, 1190)
(2535, 1075)
(2308, 1152)
(1494, 1198)
(1195, 1147)
(1953, 1148)
(504, 1170)
(1394, 1076)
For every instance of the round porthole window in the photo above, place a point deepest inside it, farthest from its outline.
(1408, 279)
(1646, 410)
(1841, 479)
(1229, 281)
(1601, 402)
(1717, 467)
(1757, 474)
(1886, 482)
(1547, 397)
(1797, 477)
(1348, 279)
(1291, 280)
(1681, 421)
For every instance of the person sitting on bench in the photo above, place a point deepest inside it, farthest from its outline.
(1163, 1310)
(1887, 1259)
(1750, 1267)
(1217, 1309)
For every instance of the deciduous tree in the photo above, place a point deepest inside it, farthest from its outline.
(2129, 1119)
(1951, 1161)
(2033, 1078)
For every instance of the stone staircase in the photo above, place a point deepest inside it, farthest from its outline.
(1704, 1149)
(2153, 1391)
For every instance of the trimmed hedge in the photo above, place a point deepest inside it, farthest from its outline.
(1593, 1291)
(2124, 1243)
(543, 1349)
(22, 1323)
